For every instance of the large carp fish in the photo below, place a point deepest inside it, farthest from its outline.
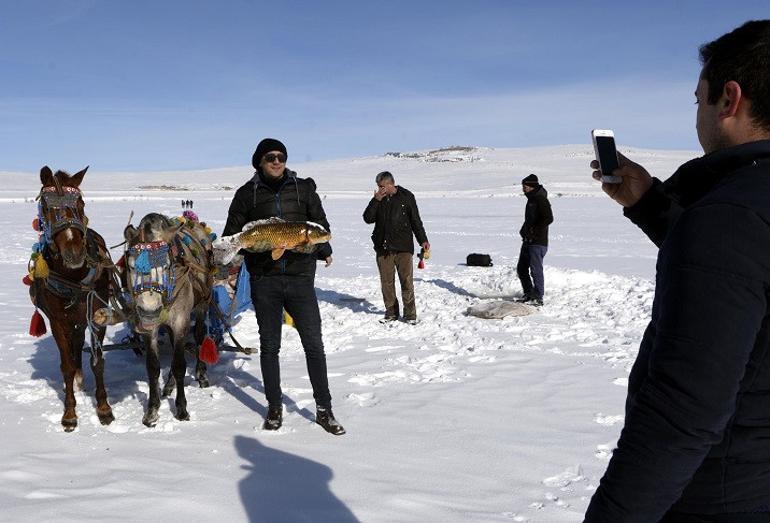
(275, 235)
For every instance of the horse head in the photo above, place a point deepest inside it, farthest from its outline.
(150, 265)
(62, 217)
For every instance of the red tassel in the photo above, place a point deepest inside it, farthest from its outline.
(27, 280)
(121, 262)
(37, 325)
(421, 264)
(208, 351)
(36, 224)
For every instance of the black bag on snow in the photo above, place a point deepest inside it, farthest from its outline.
(478, 260)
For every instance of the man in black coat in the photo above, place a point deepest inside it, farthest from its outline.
(696, 440)
(534, 240)
(288, 282)
(393, 211)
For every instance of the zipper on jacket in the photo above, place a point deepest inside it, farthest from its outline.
(280, 215)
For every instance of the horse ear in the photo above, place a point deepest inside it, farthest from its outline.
(46, 176)
(77, 178)
(129, 233)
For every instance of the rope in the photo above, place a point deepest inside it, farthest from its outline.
(96, 344)
(228, 329)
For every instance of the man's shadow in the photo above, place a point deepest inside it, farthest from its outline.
(234, 380)
(448, 285)
(284, 487)
(353, 303)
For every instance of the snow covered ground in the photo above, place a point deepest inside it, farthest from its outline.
(454, 419)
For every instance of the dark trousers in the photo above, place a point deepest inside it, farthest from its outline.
(270, 295)
(745, 517)
(389, 264)
(531, 261)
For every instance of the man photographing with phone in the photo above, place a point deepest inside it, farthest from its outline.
(696, 442)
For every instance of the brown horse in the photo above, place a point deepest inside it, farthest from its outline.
(79, 277)
(169, 278)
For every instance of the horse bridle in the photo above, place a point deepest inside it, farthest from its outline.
(58, 200)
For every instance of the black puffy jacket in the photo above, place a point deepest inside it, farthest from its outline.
(395, 219)
(537, 217)
(295, 200)
(697, 430)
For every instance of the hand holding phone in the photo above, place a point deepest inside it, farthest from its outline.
(606, 154)
(636, 182)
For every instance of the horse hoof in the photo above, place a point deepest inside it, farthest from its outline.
(203, 383)
(183, 415)
(166, 392)
(69, 424)
(106, 419)
(150, 419)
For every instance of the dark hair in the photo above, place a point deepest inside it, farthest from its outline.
(743, 56)
(384, 176)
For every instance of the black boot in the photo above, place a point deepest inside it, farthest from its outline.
(274, 418)
(325, 417)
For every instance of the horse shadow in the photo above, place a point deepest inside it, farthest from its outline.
(284, 487)
(348, 301)
(123, 371)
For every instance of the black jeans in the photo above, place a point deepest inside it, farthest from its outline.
(270, 295)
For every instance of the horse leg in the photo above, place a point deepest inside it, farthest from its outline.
(69, 419)
(153, 374)
(200, 333)
(168, 388)
(179, 368)
(78, 338)
(103, 409)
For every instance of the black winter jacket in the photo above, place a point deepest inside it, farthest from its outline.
(395, 219)
(697, 427)
(295, 200)
(537, 217)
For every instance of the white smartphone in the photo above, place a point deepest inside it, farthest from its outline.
(606, 154)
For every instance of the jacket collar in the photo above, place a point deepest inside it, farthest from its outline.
(537, 192)
(698, 176)
(289, 176)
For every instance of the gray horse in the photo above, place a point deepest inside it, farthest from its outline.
(168, 277)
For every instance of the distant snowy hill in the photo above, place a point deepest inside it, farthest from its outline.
(479, 171)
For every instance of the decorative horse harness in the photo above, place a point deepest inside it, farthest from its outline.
(162, 267)
(59, 208)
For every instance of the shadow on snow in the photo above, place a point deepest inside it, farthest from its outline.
(284, 487)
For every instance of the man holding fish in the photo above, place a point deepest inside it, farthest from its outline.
(278, 220)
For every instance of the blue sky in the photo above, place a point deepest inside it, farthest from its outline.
(146, 85)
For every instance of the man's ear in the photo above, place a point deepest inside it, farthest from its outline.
(732, 96)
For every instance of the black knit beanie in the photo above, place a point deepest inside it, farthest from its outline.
(530, 180)
(264, 147)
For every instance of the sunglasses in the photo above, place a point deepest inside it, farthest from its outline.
(270, 158)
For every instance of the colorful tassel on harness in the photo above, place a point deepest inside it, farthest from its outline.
(208, 351)
(142, 263)
(41, 268)
(37, 325)
(27, 280)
